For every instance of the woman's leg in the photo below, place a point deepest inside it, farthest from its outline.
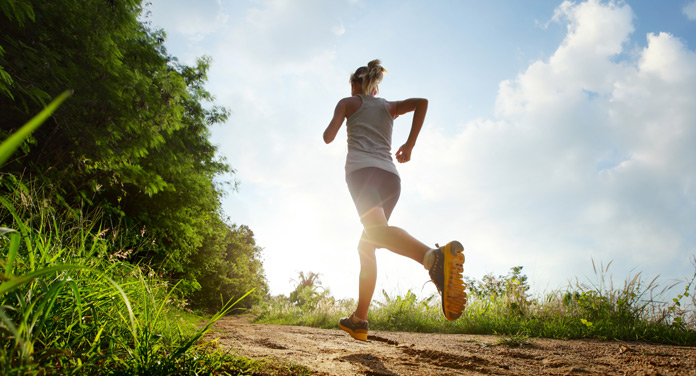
(447, 264)
(368, 276)
(393, 238)
(376, 193)
(390, 237)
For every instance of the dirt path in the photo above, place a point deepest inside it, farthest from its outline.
(332, 352)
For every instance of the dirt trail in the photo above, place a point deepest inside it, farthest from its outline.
(333, 352)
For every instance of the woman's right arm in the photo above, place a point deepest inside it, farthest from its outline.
(336, 121)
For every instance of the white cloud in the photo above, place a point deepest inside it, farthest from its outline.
(587, 157)
(582, 62)
(589, 153)
(689, 10)
(281, 31)
(194, 23)
(339, 30)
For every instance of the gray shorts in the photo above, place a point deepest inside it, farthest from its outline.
(373, 187)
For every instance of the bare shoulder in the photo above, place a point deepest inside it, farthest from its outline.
(352, 101)
(391, 107)
(350, 105)
(407, 105)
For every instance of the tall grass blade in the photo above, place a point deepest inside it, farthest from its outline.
(78, 300)
(186, 346)
(23, 229)
(15, 282)
(5, 230)
(15, 140)
(7, 323)
(126, 301)
(46, 306)
(165, 300)
(12, 252)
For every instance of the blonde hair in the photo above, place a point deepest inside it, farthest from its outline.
(369, 77)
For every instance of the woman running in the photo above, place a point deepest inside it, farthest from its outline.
(375, 186)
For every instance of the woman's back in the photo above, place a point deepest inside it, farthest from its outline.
(370, 136)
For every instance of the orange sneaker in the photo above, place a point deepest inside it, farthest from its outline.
(446, 273)
(356, 330)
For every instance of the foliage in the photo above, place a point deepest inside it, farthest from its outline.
(68, 306)
(502, 306)
(233, 267)
(511, 288)
(682, 313)
(280, 310)
(132, 141)
(15, 140)
(515, 340)
(308, 304)
(311, 280)
(407, 313)
(307, 291)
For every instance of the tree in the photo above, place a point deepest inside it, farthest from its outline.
(232, 267)
(306, 294)
(133, 139)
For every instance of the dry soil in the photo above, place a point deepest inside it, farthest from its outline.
(333, 352)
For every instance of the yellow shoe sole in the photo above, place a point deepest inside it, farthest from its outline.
(359, 334)
(454, 297)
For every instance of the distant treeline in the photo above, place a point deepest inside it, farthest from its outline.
(132, 142)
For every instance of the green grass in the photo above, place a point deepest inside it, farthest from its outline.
(324, 314)
(515, 340)
(639, 310)
(70, 305)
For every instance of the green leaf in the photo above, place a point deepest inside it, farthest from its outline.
(5, 230)
(587, 323)
(15, 282)
(12, 253)
(15, 140)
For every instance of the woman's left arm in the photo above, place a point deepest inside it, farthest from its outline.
(336, 121)
(419, 106)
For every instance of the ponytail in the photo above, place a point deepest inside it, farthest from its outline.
(369, 77)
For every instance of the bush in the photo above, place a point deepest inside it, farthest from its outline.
(68, 305)
(503, 306)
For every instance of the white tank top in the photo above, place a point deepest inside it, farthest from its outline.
(369, 136)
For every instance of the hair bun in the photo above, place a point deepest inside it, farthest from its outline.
(375, 68)
(369, 76)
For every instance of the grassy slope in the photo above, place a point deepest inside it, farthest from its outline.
(70, 305)
(636, 311)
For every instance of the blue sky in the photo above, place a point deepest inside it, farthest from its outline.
(558, 133)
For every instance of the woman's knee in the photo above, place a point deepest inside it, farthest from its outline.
(368, 261)
(366, 248)
(377, 234)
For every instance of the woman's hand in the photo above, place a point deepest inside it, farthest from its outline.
(403, 155)
(420, 107)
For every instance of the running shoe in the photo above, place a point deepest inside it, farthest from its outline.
(356, 330)
(446, 273)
